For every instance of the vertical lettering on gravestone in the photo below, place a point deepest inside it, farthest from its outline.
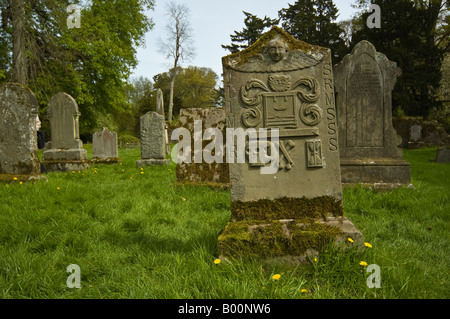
(330, 107)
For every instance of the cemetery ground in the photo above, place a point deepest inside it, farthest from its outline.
(136, 235)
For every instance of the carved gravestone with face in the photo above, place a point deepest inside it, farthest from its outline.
(283, 86)
(18, 137)
(65, 152)
(368, 142)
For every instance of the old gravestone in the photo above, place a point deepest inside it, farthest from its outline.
(153, 140)
(65, 151)
(18, 136)
(104, 147)
(213, 174)
(280, 82)
(442, 155)
(368, 142)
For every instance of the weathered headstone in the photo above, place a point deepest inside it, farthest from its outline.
(159, 102)
(65, 151)
(442, 155)
(104, 147)
(283, 83)
(368, 142)
(18, 136)
(153, 140)
(214, 174)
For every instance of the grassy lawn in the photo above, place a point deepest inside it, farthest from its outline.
(135, 235)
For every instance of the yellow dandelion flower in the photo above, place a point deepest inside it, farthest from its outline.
(304, 290)
(73, 172)
(20, 183)
(217, 261)
(58, 188)
(368, 245)
(315, 259)
(276, 277)
(120, 163)
(142, 169)
(15, 178)
(350, 240)
(142, 172)
(363, 263)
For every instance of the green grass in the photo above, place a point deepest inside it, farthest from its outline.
(137, 236)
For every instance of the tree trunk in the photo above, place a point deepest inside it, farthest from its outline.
(19, 67)
(172, 86)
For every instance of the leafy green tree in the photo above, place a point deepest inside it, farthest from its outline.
(92, 63)
(254, 28)
(414, 34)
(313, 21)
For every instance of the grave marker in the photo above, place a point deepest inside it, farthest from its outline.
(283, 83)
(368, 142)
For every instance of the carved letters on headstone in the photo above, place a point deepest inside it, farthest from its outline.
(285, 84)
(368, 142)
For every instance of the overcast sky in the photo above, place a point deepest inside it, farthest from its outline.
(212, 22)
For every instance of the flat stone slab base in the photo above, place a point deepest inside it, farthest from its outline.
(152, 161)
(8, 178)
(385, 172)
(66, 166)
(71, 154)
(109, 160)
(286, 240)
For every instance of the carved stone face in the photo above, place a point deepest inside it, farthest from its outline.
(276, 50)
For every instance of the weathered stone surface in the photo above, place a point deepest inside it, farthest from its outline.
(283, 83)
(368, 142)
(153, 139)
(104, 146)
(18, 135)
(65, 151)
(203, 172)
(443, 155)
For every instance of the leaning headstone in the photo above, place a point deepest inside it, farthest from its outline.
(295, 210)
(153, 140)
(104, 147)
(368, 142)
(212, 174)
(18, 136)
(65, 151)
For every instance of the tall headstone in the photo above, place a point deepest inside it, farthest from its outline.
(104, 146)
(215, 173)
(65, 151)
(153, 140)
(18, 136)
(368, 142)
(286, 84)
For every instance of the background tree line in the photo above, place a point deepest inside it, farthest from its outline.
(94, 63)
(413, 33)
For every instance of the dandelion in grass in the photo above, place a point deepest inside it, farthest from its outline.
(363, 263)
(217, 261)
(350, 240)
(142, 172)
(20, 183)
(304, 291)
(15, 178)
(368, 245)
(58, 188)
(73, 172)
(276, 277)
